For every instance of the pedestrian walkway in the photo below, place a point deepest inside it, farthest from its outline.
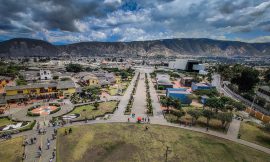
(234, 128)
(119, 113)
(139, 104)
(157, 111)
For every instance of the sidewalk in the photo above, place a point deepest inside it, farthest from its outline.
(139, 104)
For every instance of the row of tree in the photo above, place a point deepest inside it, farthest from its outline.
(216, 108)
(131, 99)
(148, 97)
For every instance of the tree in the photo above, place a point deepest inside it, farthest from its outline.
(225, 117)
(166, 101)
(178, 113)
(195, 114)
(176, 104)
(267, 127)
(209, 77)
(238, 105)
(246, 81)
(96, 105)
(55, 77)
(215, 103)
(74, 68)
(267, 75)
(208, 114)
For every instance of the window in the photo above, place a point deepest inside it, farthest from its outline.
(33, 90)
(20, 92)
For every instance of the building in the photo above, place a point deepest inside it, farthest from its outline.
(45, 75)
(179, 93)
(119, 65)
(163, 81)
(30, 76)
(98, 78)
(201, 86)
(186, 81)
(186, 65)
(45, 90)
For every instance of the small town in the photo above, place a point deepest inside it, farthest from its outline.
(134, 81)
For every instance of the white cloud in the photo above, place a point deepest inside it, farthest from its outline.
(260, 39)
(81, 26)
(112, 1)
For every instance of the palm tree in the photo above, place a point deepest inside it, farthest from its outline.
(178, 113)
(176, 104)
(96, 105)
(225, 118)
(195, 114)
(208, 114)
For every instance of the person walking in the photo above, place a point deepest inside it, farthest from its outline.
(53, 154)
(48, 145)
(70, 130)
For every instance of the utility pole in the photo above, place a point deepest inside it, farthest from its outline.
(166, 153)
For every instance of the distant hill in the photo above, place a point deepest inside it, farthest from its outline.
(166, 47)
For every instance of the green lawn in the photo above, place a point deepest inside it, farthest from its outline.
(5, 121)
(252, 132)
(131, 142)
(89, 113)
(113, 91)
(11, 150)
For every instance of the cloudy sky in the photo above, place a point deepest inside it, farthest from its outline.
(68, 21)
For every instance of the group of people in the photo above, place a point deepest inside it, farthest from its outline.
(139, 119)
(30, 141)
(6, 136)
(68, 132)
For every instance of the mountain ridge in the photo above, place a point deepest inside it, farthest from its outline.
(167, 47)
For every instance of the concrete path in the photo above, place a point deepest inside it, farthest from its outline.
(157, 111)
(234, 128)
(139, 104)
(119, 113)
(22, 114)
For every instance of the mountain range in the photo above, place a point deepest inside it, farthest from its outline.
(166, 47)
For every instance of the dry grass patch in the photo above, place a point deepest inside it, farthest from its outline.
(131, 142)
(11, 150)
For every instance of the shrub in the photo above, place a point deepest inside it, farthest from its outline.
(267, 127)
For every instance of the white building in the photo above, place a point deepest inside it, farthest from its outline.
(45, 75)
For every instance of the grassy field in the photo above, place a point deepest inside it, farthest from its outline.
(113, 91)
(5, 121)
(254, 133)
(89, 113)
(131, 142)
(11, 150)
